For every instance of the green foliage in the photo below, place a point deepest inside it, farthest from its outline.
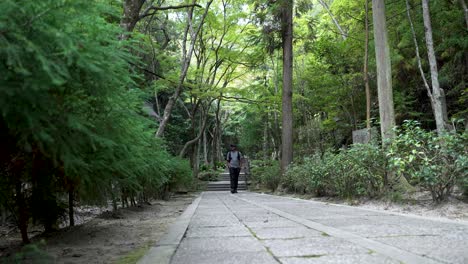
(267, 174)
(208, 175)
(70, 116)
(436, 163)
(31, 253)
(306, 177)
(358, 171)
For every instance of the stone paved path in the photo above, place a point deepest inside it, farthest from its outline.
(255, 228)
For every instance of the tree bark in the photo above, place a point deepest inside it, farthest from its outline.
(217, 132)
(265, 140)
(384, 77)
(205, 148)
(287, 109)
(438, 96)
(418, 58)
(131, 16)
(366, 67)
(71, 212)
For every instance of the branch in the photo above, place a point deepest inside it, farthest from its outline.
(161, 8)
(416, 46)
(193, 141)
(241, 100)
(344, 35)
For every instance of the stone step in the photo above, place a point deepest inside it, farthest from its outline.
(228, 178)
(227, 173)
(225, 176)
(224, 186)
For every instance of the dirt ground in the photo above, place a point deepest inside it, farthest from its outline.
(104, 238)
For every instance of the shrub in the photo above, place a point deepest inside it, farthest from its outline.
(436, 163)
(358, 171)
(267, 174)
(209, 175)
(354, 172)
(180, 174)
(306, 177)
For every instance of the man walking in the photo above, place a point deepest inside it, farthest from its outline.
(234, 163)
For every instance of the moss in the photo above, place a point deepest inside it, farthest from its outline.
(133, 256)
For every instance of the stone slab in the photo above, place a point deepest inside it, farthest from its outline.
(223, 231)
(342, 259)
(212, 257)
(285, 232)
(313, 246)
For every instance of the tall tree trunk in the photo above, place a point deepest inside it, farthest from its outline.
(275, 127)
(418, 57)
(384, 74)
(131, 15)
(265, 140)
(205, 148)
(438, 96)
(217, 131)
(366, 68)
(287, 109)
(186, 58)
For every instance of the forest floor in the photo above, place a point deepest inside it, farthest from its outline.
(418, 203)
(102, 237)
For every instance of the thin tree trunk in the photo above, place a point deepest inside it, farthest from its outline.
(344, 35)
(287, 109)
(23, 216)
(440, 109)
(114, 197)
(265, 140)
(275, 138)
(187, 56)
(205, 148)
(384, 74)
(465, 11)
(366, 68)
(71, 212)
(204, 117)
(418, 58)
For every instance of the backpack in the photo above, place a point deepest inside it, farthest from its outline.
(229, 156)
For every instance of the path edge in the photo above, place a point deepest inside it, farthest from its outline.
(165, 248)
(415, 216)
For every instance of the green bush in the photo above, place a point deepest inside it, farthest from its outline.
(180, 174)
(435, 163)
(306, 177)
(267, 174)
(358, 171)
(209, 175)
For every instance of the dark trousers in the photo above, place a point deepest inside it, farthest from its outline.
(234, 174)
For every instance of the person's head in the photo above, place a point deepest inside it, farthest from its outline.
(233, 147)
